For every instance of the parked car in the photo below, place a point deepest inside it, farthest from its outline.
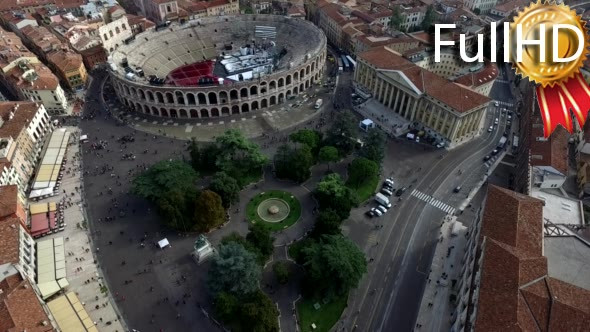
(388, 206)
(386, 192)
(490, 129)
(496, 104)
(495, 152)
(370, 214)
(457, 189)
(381, 208)
(486, 158)
(377, 212)
(400, 191)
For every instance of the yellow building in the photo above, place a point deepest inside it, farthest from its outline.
(448, 111)
(69, 66)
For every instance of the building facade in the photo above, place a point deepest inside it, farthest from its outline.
(115, 33)
(451, 113)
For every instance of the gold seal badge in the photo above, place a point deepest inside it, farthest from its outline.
(549, 72)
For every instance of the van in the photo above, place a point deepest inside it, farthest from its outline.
(381, 199)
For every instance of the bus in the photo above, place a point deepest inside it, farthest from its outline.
(344, 63)
(340, 64)
(351, 61)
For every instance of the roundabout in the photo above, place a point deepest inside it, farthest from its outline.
(275, 208)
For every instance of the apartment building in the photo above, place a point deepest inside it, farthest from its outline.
(23, 128)
(114, 33)
(160, 11)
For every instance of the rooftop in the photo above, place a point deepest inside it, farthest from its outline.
(9, 242)
(559, 209)
(22, 112)
(548, 152)
(516, 293)
(8, 197)
(568, 259)
(42, 38)
(34, 76)
(66, 61)
(454, 95)
(20, 309)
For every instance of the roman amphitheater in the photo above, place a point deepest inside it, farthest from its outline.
(218, 66)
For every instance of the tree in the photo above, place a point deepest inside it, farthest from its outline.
(176, 206)
(281, 271)
(397, 19)
(209, 212)
(238, 156)
(225, 305)
(226, 187)
(429, 18)
(328, 154)
(311, 138)
(333, 266)
(343, 133)
(331, 193)
(202, 159)
(162, 177)
(360, 170)
(327, 223)
(293, 163)
(259, 237)
(374, 147)
(259, 313)
(234, 270)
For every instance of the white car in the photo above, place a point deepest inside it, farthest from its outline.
(496, 104)
(377, 212)
(381, 208)
(496, 121)
(490, 129)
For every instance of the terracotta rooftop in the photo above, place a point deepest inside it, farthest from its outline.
(24, 112)
(20, 309)
(551, 152)
(42, 38)
(66, 61)
(480, 77)
(515, 293)
(9, 241)
(11, 48)
(454, 95)
(45, 79)
(8, 197)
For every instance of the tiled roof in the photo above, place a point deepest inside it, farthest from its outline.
(456, 96)
(551, 152)
(65, 60)
(9, 241)
(515, 292)
(8, 197)
(20, 309)
(481, 77)
(23, 114)
(45, 79)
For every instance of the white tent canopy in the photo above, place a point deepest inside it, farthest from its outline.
(163, 243)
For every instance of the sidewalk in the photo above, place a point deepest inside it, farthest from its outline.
(436, 307)
(82, 272)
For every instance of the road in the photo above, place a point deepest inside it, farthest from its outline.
(388, 298)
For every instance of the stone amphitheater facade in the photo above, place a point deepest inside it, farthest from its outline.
(159, 52)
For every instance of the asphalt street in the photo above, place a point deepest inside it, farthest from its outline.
(388, 298)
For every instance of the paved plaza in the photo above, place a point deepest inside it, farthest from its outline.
(83, 274)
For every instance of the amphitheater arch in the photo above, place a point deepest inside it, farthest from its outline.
(141, 94)
(182, 113)
(212, 98)
(313, 66)
(281, 82)
(155, 110)
(262, 90)
(127, 90)
(244, 92)
(126, 102)
(190, 98)
(273, 100)
(214, 113)
(281, 97)
(223, 97)
(253, 90)
(137, 107)
(301, 88)
(307, 84)
(160, 97)
(288, 93)
(204, 113)
(264, 103)
(179, 97)
(288, 79)
(150, 96)
(164, 113)
(307, 70)
(225, 111)
(245, 107)
(169, 98)
(296, 76)
(194, 113)
(146, 109)
(235, 109)
(254, 105)
(295, 90)
(202, 98)
(173, 113)
(162, 110)
(301, 73)
(272, 85)
(233, 95)
(133, 92)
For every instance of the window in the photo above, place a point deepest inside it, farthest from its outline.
(168, 8)
(111, 33)
(124, 26)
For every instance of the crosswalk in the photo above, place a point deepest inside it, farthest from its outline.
(433, 201)
(504, 103)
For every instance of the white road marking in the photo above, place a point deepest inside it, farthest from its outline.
(433, 201)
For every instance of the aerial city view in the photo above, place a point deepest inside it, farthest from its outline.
(313, 166)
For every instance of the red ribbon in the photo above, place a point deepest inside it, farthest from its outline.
(556, 102)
